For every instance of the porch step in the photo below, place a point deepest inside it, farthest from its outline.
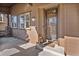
(45, 53)
(54, 51)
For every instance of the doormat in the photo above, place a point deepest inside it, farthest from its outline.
(27, 45)
(8, 52)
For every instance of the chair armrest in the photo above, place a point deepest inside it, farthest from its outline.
(61, 42)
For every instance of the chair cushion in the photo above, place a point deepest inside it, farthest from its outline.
(72, 45)
(61, 42)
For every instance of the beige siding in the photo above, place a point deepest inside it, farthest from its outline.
(19, 33)
(70, 20)
(4, 23)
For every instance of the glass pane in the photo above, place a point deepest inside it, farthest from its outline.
(14, 21)
(22, 25)
(52, 27)
(1, 17)
(22, 19)
(27, 24)
(27, 20)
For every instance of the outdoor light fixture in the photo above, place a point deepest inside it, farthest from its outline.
(54, 11)
(33, 19)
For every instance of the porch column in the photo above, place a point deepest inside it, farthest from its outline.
(41, 25)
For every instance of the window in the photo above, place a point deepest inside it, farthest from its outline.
(52, 20)
(25, 20)
(22, 20)
(1, 17)
(14, 21)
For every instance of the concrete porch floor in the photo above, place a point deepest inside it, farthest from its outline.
(11, 42)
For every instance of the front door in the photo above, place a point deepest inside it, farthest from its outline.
(51, 18)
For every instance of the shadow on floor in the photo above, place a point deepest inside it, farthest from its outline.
(10, 42)
(28, 52)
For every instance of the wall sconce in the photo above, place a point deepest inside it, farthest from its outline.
(54, 10)
(33, 19)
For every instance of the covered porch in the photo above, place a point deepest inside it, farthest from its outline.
(36, 29)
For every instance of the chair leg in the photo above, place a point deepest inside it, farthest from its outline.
(65, 53)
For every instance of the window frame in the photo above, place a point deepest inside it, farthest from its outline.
(20, 22)
(25, 20)
(29, 13)
(13, 23)
(2, 17)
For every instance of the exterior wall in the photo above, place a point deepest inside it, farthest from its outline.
(19, 33)
(5, 19)
(16, 10)
(67, 17)
(68, 20)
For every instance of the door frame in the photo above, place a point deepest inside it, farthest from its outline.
(45, 13)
